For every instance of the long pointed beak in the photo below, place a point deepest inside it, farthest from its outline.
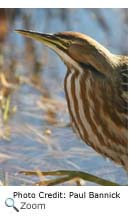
(47, 39)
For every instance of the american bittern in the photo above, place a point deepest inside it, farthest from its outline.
(96, 91)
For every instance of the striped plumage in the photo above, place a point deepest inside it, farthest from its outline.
(89, 110)
(96, 91)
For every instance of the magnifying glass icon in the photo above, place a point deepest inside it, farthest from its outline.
(9, 202)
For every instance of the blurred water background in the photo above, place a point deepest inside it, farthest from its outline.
(37, 134)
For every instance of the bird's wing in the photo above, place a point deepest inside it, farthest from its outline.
(124, 85)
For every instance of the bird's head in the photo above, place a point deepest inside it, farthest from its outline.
(76, 49)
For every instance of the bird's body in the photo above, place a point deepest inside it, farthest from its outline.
(97, 122)
(96, 91)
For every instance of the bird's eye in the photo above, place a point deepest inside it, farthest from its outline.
(68, 43)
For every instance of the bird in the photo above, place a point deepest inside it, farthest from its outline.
(96, 89)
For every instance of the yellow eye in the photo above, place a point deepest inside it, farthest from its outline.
(68, 43)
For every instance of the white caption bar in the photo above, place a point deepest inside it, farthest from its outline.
(63, 200)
